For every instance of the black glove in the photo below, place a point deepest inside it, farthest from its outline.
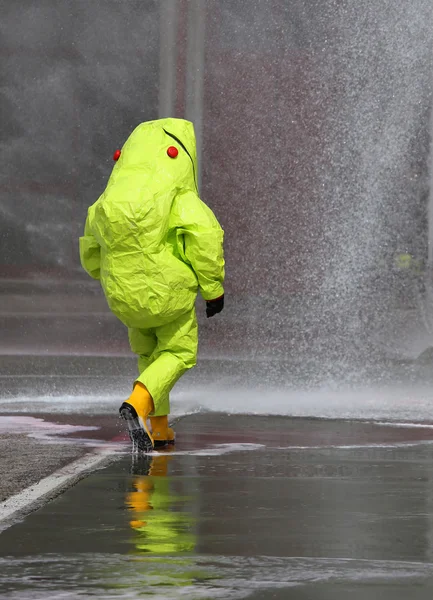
(214, 306)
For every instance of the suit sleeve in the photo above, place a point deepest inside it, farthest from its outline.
(90, 251)
(200, 242)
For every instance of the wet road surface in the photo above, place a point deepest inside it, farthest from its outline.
(243, 507)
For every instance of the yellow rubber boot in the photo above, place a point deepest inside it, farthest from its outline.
(162, 434)
(135, 411)
(141, 400)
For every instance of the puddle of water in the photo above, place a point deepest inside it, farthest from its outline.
(196, 577)
(39, 428)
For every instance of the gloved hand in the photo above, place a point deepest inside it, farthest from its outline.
(214, 306)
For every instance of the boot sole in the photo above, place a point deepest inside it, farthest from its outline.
(140, 438)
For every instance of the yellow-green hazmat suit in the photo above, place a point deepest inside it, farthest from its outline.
(153, 243)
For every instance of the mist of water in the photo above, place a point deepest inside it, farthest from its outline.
(316, 144)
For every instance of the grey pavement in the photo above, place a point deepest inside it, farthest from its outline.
(23, 462)
(243, 507)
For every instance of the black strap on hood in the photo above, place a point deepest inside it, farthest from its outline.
(184, 147)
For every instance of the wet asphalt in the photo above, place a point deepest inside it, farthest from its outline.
(242, 507)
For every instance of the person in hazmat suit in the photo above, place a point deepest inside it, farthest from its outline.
(153, 244)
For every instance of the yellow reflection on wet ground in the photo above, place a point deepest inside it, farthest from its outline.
(160, 518)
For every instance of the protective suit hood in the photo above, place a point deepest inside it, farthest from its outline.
(145, 151)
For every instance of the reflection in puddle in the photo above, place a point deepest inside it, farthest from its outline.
(162, 520)
(198, 528)
(164, 527)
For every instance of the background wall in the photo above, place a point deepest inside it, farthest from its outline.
(314, 122)
(77, 77)
(317, 139)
